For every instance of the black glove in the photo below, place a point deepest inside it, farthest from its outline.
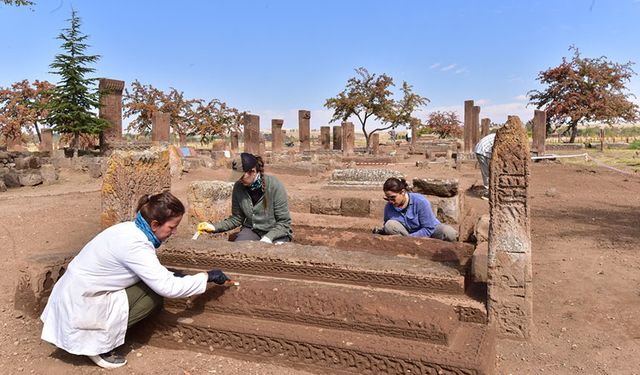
(378, 230)
(177, 273)
(217, 277)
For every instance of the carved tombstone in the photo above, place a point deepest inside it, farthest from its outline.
(128, 176)
(47, 140)
(111, 109)
(304, 129)
(509, 287)
(325, 137)
(539, 131)
(475, 126)
(348, 138)
(337, 137)
(276, 135)
(485, 124)
(375, 143)
(234, 141)
(252, 134)
(468, 124)
(160, 127)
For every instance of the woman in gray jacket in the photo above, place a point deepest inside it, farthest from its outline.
(259, 204)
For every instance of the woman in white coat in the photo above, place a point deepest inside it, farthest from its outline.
(116, 280)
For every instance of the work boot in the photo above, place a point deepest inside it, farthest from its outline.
(109, 360)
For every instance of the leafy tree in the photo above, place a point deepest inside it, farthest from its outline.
(583, 90)
(23, 107)
(369, 95)
(216, 118)
(72, 100)
(182, 112)
(444, 123)
(141, 102)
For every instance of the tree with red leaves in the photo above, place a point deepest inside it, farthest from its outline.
(583, 90)
(23, 107)
(444, 123)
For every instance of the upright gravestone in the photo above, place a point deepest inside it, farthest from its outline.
(160, 127)
(325, 137)
(304, 129)
(337, 137)
(348, 138)
(475, 126)
(485, 124)
(375, 143)
(234, 141)
(510, 292)
(111, 110)
(47, 140)
(276, 135)
(262, 147)
(128, 176)
(252, 134)
(539, 131)
(468, 123)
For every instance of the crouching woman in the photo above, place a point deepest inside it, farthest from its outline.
(117, 280)
(410, 214)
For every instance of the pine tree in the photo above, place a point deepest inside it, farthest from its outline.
(72, 101)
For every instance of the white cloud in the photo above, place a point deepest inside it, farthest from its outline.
(521, 98)
(448, 67)
(461, 70)
(435, 65)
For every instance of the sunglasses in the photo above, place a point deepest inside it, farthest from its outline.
(390, 198)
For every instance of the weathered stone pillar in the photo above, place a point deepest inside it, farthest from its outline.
(601, 139)
(304, 129)
(539, 131)
(128, 176)
(160, 127)
(337, 137)
(348, 138)
(234, 141)
(262, 148)
(111, 110)
(252, 134)
(510, 293)
(276, 135)
(47, 140)
(468, 124)
(486, 123)
(475, 126)
(325, 137)
(375, 143)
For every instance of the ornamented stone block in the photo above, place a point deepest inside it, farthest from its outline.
(509, 287)
(129, 175)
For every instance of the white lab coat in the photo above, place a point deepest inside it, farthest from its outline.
(88, 310)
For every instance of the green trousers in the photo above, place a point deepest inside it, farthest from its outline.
(142, 302)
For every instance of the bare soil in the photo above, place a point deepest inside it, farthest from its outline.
(585, 231)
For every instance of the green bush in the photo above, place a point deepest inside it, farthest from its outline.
(635, 145)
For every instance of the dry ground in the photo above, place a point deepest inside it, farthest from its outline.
(585, 231)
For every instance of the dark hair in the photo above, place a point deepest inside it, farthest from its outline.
(395, 184)
(160, 207)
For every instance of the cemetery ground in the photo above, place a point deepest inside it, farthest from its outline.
(585, 227)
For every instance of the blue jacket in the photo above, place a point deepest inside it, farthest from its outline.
(417, 217)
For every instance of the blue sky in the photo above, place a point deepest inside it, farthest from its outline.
(272, 58)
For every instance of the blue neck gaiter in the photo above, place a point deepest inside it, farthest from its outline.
(257, 184)
(142, 224)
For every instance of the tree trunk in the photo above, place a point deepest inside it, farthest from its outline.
(574, 132)
(74, 144)
(35, 124)
(182, 140)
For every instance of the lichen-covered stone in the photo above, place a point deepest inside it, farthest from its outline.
(208, 201)
(128, 176)
(436, 186)
(509, 274)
